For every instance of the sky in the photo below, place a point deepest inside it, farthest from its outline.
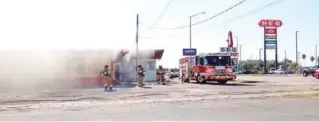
(111, 24)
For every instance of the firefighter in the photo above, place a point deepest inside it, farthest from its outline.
(107, 78)
(140, 74)
(160, 75)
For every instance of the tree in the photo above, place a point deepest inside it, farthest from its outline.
(292, 66)
(304, 57)
(318, 60)
(312, 59)
(270, 64)
(285, 62)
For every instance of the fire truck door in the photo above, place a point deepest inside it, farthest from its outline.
(191, 65)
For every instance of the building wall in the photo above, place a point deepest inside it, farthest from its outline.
(149, 66)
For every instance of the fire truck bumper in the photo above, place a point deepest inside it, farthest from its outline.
(221, 77)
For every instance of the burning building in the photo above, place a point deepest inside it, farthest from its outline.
(124, 66)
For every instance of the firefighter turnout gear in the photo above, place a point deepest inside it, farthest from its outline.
(160, 72)
(107, 78)
(140, 75)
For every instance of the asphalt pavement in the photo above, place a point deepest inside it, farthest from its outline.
(239, 110)
(238, 100)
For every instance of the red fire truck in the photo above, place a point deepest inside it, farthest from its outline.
(207, 67)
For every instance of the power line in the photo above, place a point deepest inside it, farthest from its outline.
(162, 13)
(256, 10)
(237, 17)
(186, 26)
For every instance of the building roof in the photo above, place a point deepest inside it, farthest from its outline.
(158, 54)
(150, 54)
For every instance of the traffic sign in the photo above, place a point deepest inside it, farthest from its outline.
(189, 51)
(228, 50)
(270, 23)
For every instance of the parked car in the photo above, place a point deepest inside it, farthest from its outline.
(306, 71)
(173, 73)
(271, 71)
(238, 72)
(280, 71)
(250, 72)
(316, 74)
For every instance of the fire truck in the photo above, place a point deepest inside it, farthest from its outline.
(207, 67)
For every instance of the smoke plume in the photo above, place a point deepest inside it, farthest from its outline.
(29, 70)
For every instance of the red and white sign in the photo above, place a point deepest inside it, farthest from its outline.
(271, 31)
(270, 23)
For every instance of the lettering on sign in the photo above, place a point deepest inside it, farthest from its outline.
(270, 41)
(271, 31)
(270, 23)
(271, 36)
(234, 54)
(189, 52)
(270, 46)
(228, 49)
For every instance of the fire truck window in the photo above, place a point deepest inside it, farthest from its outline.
(225, 60)
(196, 60)
(201, 61)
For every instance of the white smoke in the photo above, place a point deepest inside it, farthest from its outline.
(27, 70)
(42, 70)
(128, 63)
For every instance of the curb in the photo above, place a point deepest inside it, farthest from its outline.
(269, 75)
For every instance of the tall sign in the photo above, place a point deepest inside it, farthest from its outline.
(270, 37)
(231, 50)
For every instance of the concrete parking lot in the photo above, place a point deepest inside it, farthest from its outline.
(73, 102)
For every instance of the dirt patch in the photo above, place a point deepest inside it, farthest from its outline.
(314, 95)
(247, 81)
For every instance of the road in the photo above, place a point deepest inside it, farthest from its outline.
(240, 110)
(249, 98)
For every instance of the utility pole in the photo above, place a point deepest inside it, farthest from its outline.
(251, 57)
(285, 58)
(137, 29)
(239, 55)
(260, 54)
(276, 51)
(260, 57)
(297, 47)
(237, 52)
(265, 53)
(190, 28)
(316, 55)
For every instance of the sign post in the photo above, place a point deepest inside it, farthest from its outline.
(270, 38)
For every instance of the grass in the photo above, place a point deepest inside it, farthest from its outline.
(310, 95)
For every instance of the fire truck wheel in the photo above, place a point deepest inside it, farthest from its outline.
(200, 79)
(222, 82)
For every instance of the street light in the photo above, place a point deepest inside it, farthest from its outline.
(237, 52)
(190, 28)
(260, 53)
(260, 49)
(297, 47)
(239, 56)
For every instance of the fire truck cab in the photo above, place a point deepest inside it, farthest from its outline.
(207, 67)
